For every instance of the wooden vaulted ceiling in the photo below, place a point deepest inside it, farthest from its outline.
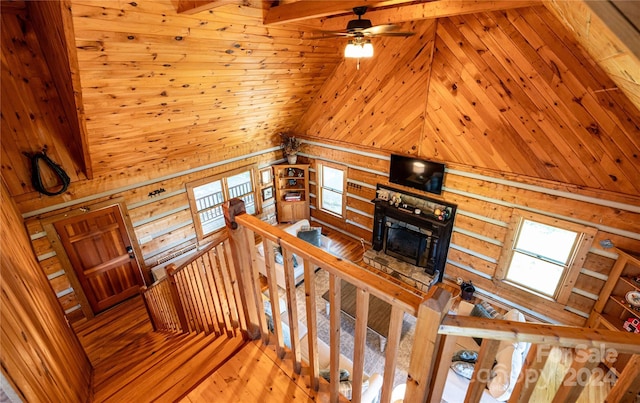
(156, 91)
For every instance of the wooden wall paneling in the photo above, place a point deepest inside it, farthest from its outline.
(183, 218)
(360, 219)
(109, 186)
(375, 106)
(576, 209)
(513, 104)
(600, 41)
(478, 226)
(41, 246)
(589, 284)
(580, 303)
(363, 206)
(598, 264)
(628, 242)
(41, 356)
(32, 114)
(471, 82)
(479, 246)
(60, 283)
(172, 62)
(51, 266)
(149, 211)
(174, 236)
(577, 80)
(480, 207)
(54, 26)
(474, 262)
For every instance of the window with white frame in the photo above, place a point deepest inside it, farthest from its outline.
(544, 255)
(207, 195)
(331, 185)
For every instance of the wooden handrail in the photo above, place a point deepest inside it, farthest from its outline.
(243, 229)
(595, 344)
(539, 333)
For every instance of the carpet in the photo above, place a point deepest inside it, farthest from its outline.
(374, 358)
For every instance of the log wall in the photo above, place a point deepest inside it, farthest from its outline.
(486, 202)
(41, 357)
(162, 223)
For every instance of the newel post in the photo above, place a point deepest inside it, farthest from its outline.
(241, 243)
(423, 361)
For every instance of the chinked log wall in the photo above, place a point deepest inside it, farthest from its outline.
(485, 205)
(163, 224)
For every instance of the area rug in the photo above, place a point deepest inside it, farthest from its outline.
(374, 359)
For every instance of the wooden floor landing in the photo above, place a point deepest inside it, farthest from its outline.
(132, 363)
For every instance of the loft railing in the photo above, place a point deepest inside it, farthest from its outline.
(220, 287)
(243, 229)
(590, 346)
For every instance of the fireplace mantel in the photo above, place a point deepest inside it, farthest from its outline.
(439, 230)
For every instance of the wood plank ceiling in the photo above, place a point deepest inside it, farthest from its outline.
(162, 92)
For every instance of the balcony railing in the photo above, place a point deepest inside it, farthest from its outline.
(220, 290)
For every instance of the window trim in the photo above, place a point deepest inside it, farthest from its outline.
(320, 187)
(223, 176)
(568, 279)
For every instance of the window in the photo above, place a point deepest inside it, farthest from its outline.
(207, 195)
(331, 183)
(544, 255)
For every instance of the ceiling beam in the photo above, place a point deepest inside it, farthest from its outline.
(196, 6)
(423, 11)
(304, 10)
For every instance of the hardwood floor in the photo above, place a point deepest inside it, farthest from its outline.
(132, 363)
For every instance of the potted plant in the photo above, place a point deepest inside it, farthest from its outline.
(291, 146)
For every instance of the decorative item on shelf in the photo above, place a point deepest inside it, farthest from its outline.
(395, 199)
(293, 182)
(467, 289)
(632, 325)
(633, 298)
(441, 213)
(290, 172)
(383, 194)
(290, 146)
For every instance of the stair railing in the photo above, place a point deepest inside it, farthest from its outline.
(200, 295)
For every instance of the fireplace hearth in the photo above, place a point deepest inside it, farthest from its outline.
(411, 233)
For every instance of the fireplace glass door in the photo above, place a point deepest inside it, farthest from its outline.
(407, 245)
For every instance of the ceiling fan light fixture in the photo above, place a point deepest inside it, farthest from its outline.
(358, 49)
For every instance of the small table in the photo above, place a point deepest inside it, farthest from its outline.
(379, 311)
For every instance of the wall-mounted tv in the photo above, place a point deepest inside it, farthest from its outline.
(416, 173)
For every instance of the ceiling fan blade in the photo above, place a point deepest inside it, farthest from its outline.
(379, 29)
(330, 35)
(405, 34)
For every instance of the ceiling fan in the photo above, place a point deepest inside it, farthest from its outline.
(361, 31)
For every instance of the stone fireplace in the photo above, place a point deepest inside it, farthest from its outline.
(409, 241)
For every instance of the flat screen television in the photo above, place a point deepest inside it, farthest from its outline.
(416, 173)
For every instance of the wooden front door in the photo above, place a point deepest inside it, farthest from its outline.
(100, 252)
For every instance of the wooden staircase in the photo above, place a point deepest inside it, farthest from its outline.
(133, 363)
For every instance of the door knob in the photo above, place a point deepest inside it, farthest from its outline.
(130, 252)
